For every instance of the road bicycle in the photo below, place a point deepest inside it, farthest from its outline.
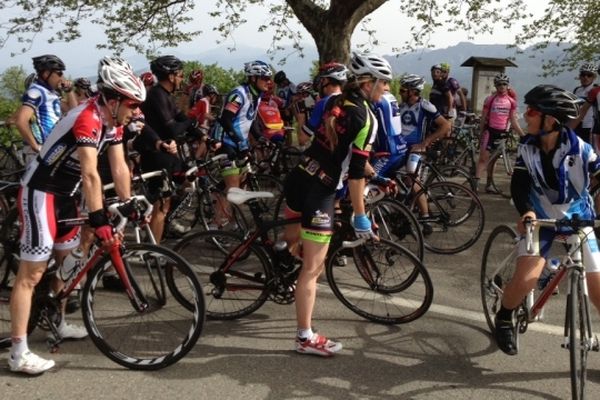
(380, 280)
(501, 164)
(152, 323)
(497, 269)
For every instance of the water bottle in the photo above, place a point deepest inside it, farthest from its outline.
(286, 260)
(549, 271)
(70, 265)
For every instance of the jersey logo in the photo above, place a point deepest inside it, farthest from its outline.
(54, 154)
(408, 118)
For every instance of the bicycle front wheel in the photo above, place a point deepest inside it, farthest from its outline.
(580, 338)
(169, 320)
(380, 281)
(232, 291)
(497, 268)
(500, 170)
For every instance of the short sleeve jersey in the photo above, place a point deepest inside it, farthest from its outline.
(57, 169)
(416, 119)
(500, 107)
(45, 103)
(583, 92)
(389, 138)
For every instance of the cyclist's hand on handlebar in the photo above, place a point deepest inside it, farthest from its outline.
(529, 215)
(169, 146)
(362, 227)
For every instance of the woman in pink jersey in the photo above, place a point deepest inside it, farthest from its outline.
(498, 116)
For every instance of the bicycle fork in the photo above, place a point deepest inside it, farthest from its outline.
(590, 342)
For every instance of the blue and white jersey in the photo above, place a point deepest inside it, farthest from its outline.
(241, 102)
(416, 120)
(573, 162)
(316, 117)
(45, 103)
(389, 138)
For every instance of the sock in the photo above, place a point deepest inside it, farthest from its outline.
(304, 334)
(504, 314)
(19, 346)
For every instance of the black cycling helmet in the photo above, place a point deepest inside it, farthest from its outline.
(82, 83)
(166, 65)
(48, 62)
(554, 101)
(279, 77)
(207, 90)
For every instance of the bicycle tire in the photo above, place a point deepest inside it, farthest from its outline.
(451, 173)
(500, 175)
(396, 223)
(382, 282)
(497, 268)
(241, 290)
(578, 334)
(454, 209)
(157, 336)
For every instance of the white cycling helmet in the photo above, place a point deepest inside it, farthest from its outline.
(370, 64)
(588, 67)
(412, 81)
(501, 78)
(257, 68)
(116, 74)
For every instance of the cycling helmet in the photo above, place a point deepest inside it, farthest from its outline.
(333, 70)
(166, 65)
(304, 87)
(30, 79)
(554, 101)
(196, 77)
(445, 67)
(588, 67)
(207, 90)
(82, 83)
(370, 64)
(115, 75)
(279, 77)
(436, 66)
(48, 62)
(413, 81)
(257, 68)
(147, 78)
(501, 78)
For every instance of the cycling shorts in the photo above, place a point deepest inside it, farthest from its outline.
(308, 197)
(40, 232)
(490, 139)
(545, 237)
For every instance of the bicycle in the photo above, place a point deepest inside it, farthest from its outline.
(497, 269)
(381, 281)
(501, 164)
(151, 324)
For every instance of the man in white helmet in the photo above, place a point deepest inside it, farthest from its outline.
(67, 160)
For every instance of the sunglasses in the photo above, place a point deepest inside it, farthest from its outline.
(532, 112)
(502, 84)
(586, 75)
(59, 73)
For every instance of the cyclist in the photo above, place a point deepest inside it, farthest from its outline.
(441, 95)
(587, 76)
(167, 123)
(341, 144)
(41, 107)
(592, 104)
(499, 114)
(285, 91)
(194, 90)
(456, 91)
(303, 102)
(550, 180)
(67, 160)
(82, 89)
(148, 79)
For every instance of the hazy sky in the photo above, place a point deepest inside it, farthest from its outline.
(390, 23)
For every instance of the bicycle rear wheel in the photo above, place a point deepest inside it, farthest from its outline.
(456, 217)
(381, 281)
(580, 339)
(500, 171)
(236, 292)
(497, 268)
(159, 334)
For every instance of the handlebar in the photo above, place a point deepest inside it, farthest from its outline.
(117, 210)
(574, 223)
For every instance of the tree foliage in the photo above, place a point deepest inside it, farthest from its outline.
(223, 80)
(148, 25)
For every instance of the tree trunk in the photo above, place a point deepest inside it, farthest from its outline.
(332, 28)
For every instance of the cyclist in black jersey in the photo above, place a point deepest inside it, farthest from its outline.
(165, 122)
(341, 144)
(68, 160)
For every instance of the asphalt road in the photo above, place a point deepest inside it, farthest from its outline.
(447, 354)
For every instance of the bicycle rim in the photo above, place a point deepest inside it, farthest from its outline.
(234, 293)
(578, 338)
(497, 269)
(381, 281)
(161, 334)
(502, 172)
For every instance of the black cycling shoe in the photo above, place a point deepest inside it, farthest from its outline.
(426, 228)
(73, 304)
(506, 336)
(112, 282)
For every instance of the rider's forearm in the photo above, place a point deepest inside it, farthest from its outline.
(356, 188)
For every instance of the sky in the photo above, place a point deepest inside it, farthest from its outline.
(81, 53)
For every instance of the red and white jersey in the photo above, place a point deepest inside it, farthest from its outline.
(57, 168)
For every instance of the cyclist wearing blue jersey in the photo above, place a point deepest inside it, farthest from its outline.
(551, 180)
(41, 107)
(389, 139)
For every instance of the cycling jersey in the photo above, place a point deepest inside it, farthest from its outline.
(316, 117)
(555, 185)
(240, 109)
(389, 138)
(163, 114)
(499, 109)
(438, 96)
(583, 92)
(45, 103)
(594, 99)
(416, 120)
(57, 169)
